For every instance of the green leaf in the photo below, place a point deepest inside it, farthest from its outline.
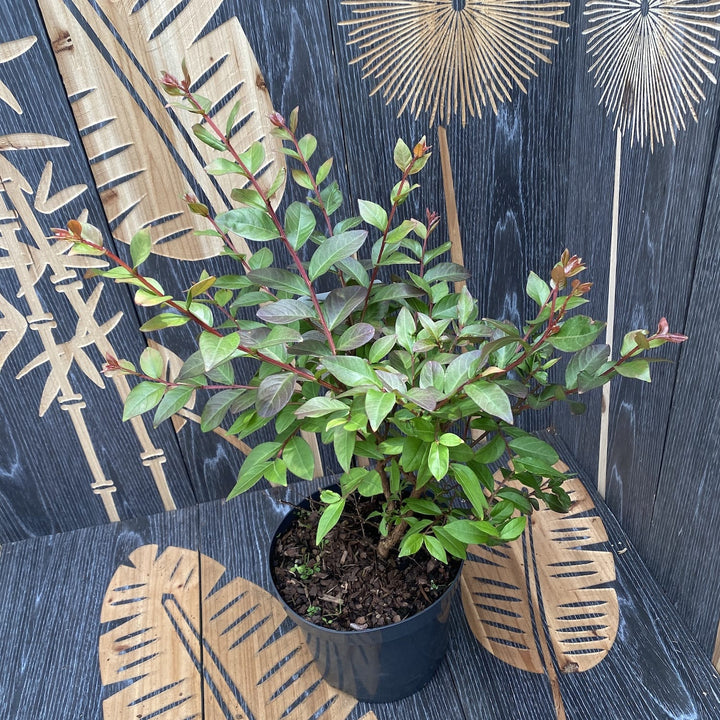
(472, 531)
(355, 336)
(450, 440)
(307, 145)
(589, 360)
(344, 446)
(490, 399)
(301, 177)
(223, 166)
(204, 135)
(373, 214)
(402, 154)
(446, 272)
(151, 362)
(537, 289)
(282, 312)
(216, 408)
(350, 370)
(323, 171)
(423, 506)
(435, 548)
(320, 406)
(339, 303)
(299, 224)
(331, 197)
(491, 451)
(173, 401)
(378, 405)
(250, 223)
(530, 446)
(254, 467)
(274, 393)
(299, 458)
(334, 249)
(471, 486)
(410, 545)
(451, 544)
(143, 397)
(576, 333)
(279, 279)
(513, 529)
(405, 329)
(254, 157)
(230, 124)
(276, 474)
(328, 519)
(438, 460)
(461, 369)
(638, 369)
(140, 247)
(380, 348)
(217, 349)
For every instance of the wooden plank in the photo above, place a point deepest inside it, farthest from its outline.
(69, 461)
(166, 603)
(682, 548)
(50, 610)
(662, 199)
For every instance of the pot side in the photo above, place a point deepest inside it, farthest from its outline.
(378, 664)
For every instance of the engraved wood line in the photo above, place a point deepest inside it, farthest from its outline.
(186, 640)
(543, 600)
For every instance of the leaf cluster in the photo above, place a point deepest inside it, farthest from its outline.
(395, 364)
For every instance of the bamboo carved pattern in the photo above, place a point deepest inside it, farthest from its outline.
(185, 642)
(649, 59)
(452, 58)
(111, 55)
(24, 232)
(544, 599)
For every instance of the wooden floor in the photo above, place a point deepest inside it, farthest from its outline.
(169, 617)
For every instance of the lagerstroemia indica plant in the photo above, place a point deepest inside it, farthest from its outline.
(402, 371)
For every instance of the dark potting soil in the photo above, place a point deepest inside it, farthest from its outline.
(344, 584)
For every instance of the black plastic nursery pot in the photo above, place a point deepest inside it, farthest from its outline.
(377, 664)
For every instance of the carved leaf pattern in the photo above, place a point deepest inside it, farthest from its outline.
(547, 594)
(144, 157)
(179, 639)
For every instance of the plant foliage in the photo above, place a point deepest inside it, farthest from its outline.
(405, 372)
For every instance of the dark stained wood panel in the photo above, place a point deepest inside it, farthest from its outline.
(74, 601)
(683, 549)
(68, 460)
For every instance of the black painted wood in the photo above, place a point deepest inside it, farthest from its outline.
(663, 195)
(46, 477)
(54, 588)
(683, 548)
(533, 179)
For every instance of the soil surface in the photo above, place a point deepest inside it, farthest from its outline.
(344, 584)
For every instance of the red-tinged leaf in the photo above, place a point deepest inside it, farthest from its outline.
(274, 393)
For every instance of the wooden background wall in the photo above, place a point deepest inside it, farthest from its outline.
(83, 131)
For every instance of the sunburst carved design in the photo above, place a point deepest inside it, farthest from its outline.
(650, 58)
(450, 57)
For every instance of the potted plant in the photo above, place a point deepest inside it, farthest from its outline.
(362, 336)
